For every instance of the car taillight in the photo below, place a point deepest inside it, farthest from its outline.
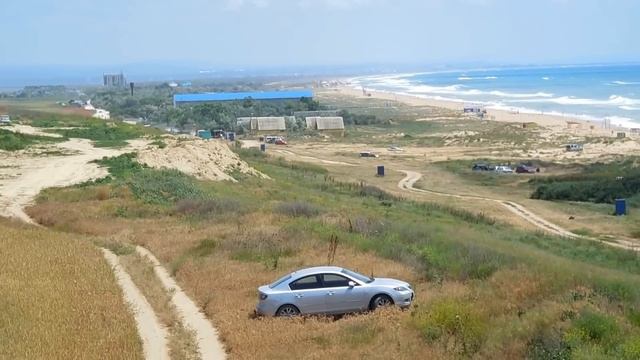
(263, 296)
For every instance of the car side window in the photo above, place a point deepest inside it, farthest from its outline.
(305, 283)
(334, 280)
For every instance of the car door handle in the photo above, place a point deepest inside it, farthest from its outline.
(330, 293)
(298, 296)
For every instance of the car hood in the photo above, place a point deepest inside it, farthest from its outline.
(265, 289)
(388, 282)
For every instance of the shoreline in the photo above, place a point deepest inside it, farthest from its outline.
(559, 122)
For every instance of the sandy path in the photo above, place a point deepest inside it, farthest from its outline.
(153, 335)
(37, 173)
(314, 159)
(209, 345)
(30, 130)
(412, 177)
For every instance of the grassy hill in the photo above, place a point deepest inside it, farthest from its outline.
(60, 299)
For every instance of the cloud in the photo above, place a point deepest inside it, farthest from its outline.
(235, 5)
(338, 4)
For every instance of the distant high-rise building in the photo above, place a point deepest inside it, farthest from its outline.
(114, 80)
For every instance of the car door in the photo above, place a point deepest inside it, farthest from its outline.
(340, 297)
(308, 294)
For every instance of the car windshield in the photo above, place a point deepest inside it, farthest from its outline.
(359, 277)
(280, 281)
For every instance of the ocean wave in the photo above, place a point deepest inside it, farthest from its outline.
(461, 90)
(516, 95)
(629, 108)
(466, 78)
(546, 78)
(614, 100)
(624, 83)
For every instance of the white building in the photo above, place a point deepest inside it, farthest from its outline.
(102, 114)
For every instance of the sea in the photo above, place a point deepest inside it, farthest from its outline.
(588, 92)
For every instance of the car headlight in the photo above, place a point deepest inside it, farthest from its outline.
(400, 288)
(263, 296)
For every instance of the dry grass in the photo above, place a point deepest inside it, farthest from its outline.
(60, 299)
(182, 342)
(221, 260)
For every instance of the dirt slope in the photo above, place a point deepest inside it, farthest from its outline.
(206, 160)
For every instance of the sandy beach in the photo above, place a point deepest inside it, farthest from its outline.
(560, 123)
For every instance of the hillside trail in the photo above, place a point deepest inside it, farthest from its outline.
(408, 182)
(209, 345)
(31, 174)
(24, 176)
(153, 335)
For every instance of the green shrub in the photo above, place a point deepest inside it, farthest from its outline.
(592, 328)
(164, 187)
(598, 183)
(121, 166)
(11, 141)
(297, 209)
(460, 261)
(104, 134)
(208, 207)
(455, 323)
(631, 348)
(548, 344)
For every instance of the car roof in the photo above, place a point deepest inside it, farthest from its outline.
(315, 270)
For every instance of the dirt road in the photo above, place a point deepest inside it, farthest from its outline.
(412, 177)
(153, 335)
(209, 345)
(31, 174)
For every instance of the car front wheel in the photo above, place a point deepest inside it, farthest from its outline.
(381, 300)
(287, 311)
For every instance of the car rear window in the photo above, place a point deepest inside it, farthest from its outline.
(280, 281)
(305, 283)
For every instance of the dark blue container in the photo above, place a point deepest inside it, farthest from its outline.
(204, 134)
(621, 207)
(380, 170)
(231, 136)
(263, 147)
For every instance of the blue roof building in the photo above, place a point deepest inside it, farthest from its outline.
(254, 95)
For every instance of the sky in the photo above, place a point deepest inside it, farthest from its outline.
(279, 33)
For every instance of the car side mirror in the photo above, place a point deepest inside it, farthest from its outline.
(352, 284)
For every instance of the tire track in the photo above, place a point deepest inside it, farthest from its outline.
(152, 334)
(209, 345)
(408, 182)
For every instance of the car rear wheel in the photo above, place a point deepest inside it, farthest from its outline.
(381, 300)
(287, 311)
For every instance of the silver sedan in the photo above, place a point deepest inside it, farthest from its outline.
(330, 290)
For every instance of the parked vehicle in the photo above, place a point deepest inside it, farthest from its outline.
(395, 148)
(218, 134)
(277, 140)
(482, 167)
(368, 154)
(5, 120)
(574, 147)
(330, 290)
(526, 169)
(504, 169)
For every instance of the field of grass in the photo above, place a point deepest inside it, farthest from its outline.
(597, 183)
(60, 299)
(484, 289)
(11, 141)
(102, 133)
